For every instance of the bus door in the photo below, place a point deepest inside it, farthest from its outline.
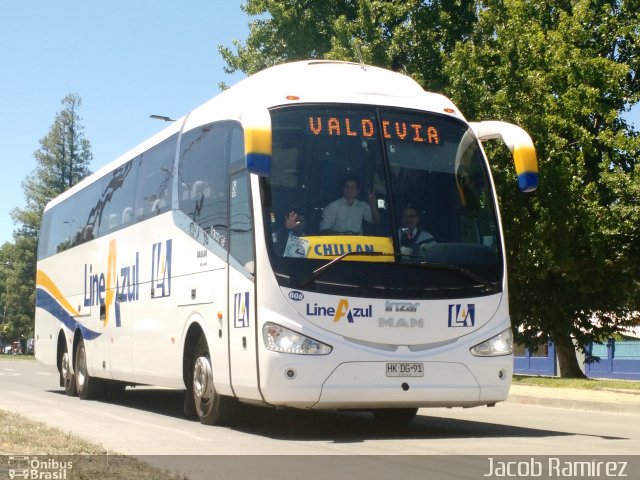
(242, 299)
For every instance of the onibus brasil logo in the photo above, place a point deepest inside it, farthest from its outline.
(39, 468)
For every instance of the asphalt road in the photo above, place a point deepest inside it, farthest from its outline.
(149, 421)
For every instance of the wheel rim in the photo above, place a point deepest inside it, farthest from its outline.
(66, 371)
(81, 372)
(203, 385)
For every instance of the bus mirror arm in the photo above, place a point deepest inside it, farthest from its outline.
(519, 143)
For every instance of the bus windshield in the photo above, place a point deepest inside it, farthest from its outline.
(375, 199)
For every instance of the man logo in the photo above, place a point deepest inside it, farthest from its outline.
(461, 316)
(401, 323)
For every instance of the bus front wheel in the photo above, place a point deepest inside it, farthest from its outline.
(211, 407)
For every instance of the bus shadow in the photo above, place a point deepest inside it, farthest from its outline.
(354, 427)
(332, 426)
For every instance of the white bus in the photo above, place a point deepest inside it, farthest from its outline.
(208, 257)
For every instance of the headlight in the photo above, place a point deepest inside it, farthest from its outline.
(283, 340)
(501, 344)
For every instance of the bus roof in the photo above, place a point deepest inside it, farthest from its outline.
(310, 81)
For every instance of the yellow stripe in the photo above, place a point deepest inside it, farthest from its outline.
(111, 280)
(257, 140)
(524, 157)
(331, 246)
(43, 280)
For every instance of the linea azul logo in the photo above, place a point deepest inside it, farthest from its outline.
(343, 310)
(241, 310)
(116, 286)
(161, 269)
(462, 315)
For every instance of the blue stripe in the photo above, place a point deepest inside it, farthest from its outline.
(46, 302)
(528, 181)
(259, 163)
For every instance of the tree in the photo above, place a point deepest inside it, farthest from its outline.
(411, 36)
(565, 71)
(562, 70)
(62, 161)
(17, 274)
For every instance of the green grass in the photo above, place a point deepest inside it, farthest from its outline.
(23, 437)
(586, 383)
(17, 357)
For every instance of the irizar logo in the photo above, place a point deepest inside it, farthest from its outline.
(400, 306)
(343, 310)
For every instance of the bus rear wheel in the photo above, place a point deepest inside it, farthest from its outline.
(87, 386)
(67, 379)
(211, 407)
(394, 415)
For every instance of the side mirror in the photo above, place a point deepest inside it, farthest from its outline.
(257, 141)
(519, 143)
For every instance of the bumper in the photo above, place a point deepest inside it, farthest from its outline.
(358, 385)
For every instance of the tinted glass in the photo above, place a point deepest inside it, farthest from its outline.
(154, 180)
(135, 191)
(401, 190)
(241, 221)
(203, 178)
(118, 199)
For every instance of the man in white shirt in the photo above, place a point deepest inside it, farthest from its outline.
(345, 215)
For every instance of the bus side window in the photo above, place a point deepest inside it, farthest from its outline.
(117, 197)
(153, 195)
(88, 212)
(241, 226)
(203, 178)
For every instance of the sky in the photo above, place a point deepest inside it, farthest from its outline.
(126, 59)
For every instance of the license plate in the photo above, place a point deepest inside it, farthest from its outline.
(398, 369)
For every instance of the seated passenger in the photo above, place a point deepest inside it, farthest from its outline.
(293, 226)
(344, 216)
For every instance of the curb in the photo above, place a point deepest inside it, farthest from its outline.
(575, 404)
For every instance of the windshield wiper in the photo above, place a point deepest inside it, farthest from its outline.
(488, 286)
(307, 279)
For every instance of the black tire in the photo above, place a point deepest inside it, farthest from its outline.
(67, 378)
(88, 387)
(395, 416)
(211, 407)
